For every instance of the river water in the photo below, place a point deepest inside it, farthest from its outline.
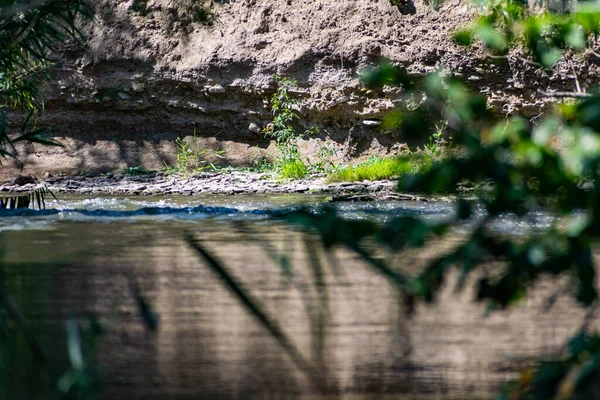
(99, 259)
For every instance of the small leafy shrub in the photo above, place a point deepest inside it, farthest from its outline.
(189, 157)
(435, 4)
(261, 164)
(506, 23)
(186, 157)
(140, 7)
(31, 32)
(324, 163)
(376, 168)
(281, 130)
(203, 14)
(293, 169)
(437, 145)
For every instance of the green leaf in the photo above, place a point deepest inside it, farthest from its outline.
(575, 37)
(550, 56)
(491, 37)
(38, 136)
(463, 37)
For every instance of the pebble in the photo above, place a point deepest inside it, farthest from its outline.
(255, 128)
(370, 122)
(216, 89)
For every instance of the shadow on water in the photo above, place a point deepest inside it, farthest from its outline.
(241, 308)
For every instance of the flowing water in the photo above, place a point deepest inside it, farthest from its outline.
(99, 259)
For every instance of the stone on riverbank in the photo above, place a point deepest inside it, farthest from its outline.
(238, 182)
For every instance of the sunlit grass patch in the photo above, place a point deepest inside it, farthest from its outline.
(294, 169)
(383, 168)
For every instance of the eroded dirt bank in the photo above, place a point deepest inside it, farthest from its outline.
(146, 78)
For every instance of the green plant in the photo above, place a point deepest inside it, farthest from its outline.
(28, 33)
(436, 144)
(436, 4)
(185, 156)
(546, 36)
(324, 160)
(529, 174)
(294, 169)
(33, 198)
(203, 14)
(376, 168)
(190, 157)
(282, 130)
(261, 164)
(32, 135)
(140, 7)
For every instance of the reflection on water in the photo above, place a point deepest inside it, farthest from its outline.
(207, 345)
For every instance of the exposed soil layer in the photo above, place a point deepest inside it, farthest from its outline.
(147, 77)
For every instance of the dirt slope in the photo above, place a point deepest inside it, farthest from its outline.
(145, 78)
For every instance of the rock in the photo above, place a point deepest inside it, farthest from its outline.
(216, 89)
(235, 182)
(73, 184)
(371, 122)
(48, 175)
(375, 188)
(255, 128)
(21, 180)
(355, 188)
(300, 188)
(337, 101)
(123, 96)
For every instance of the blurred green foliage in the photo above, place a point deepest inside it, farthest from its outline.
(506, 23)
(29, 34)
(551, 165)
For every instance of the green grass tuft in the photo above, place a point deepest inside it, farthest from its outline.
(383, 168)
(294, 169)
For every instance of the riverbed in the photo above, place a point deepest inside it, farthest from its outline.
(97, 256)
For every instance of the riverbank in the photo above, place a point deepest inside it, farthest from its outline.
(234, 182)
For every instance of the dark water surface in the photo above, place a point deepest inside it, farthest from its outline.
(71, 263)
